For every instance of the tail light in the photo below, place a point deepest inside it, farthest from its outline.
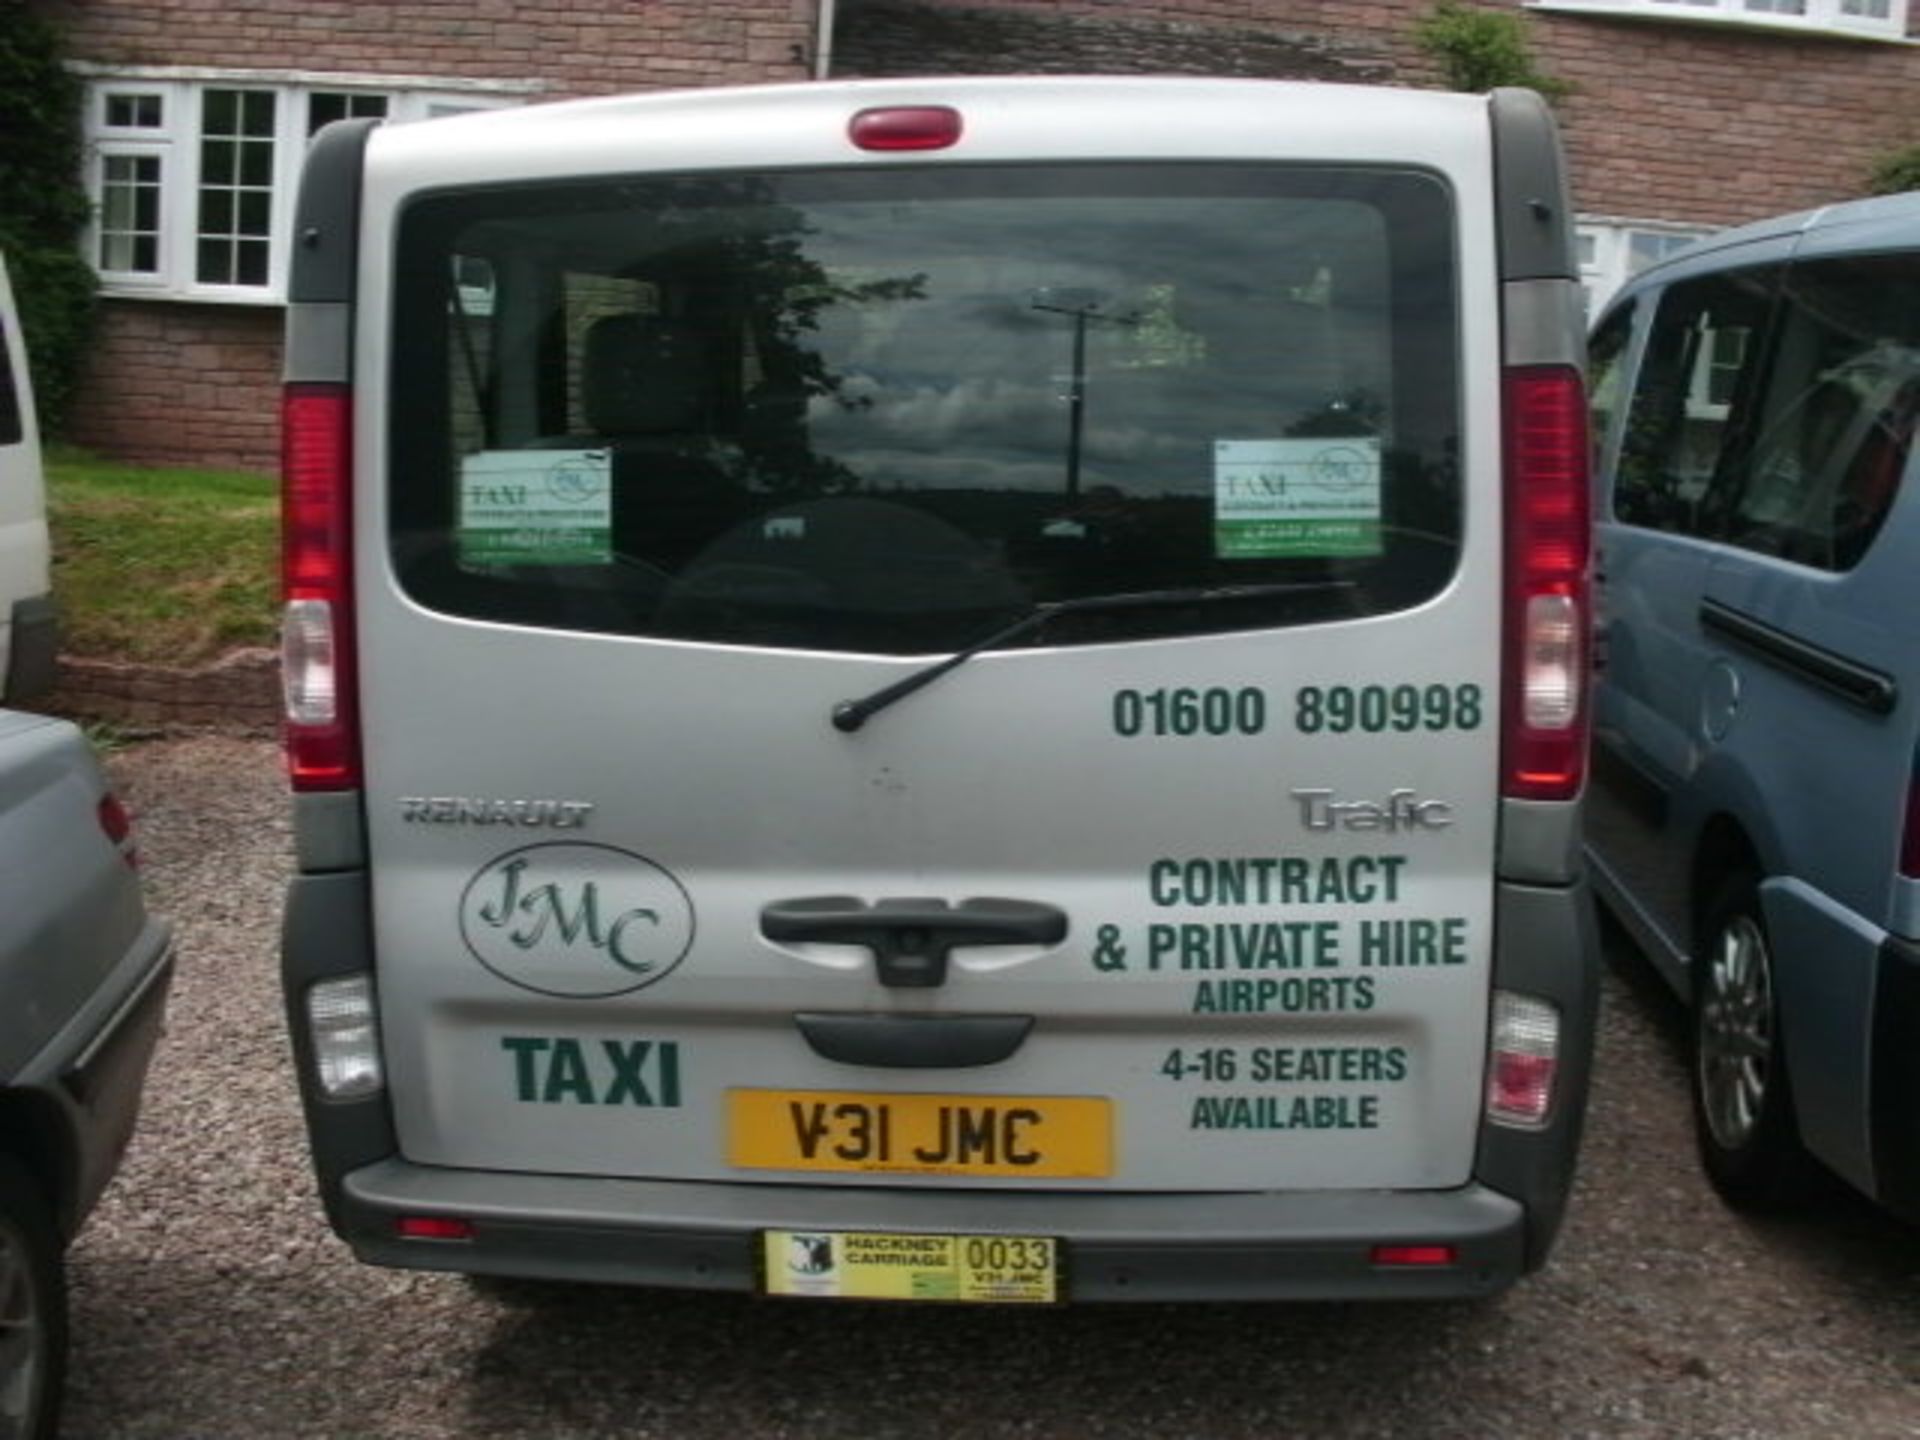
(316, 637)
(1523, 1056)
(117, 825)
(1428, 1256)
(1549, 536)
(433, 1227)
(343, 1023)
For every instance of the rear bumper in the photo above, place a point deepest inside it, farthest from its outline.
(94, 1071)
(33, 650)
(1188, 1246)
(1297, 1246)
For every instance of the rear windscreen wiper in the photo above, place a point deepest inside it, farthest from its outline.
(850, 715)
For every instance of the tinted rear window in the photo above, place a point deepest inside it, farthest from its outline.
(888, 410)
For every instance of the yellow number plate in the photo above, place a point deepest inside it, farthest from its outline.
(1054, 1137)
(840, 1265)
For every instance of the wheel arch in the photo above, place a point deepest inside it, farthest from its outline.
(38, 1135)
(1724, 848)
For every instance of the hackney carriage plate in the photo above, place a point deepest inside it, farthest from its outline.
(867, 1265)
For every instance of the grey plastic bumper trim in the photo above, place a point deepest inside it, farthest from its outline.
(1119, 1247)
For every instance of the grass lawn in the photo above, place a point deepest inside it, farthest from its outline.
(168, 566)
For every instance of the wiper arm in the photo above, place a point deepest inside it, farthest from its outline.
(850, 715)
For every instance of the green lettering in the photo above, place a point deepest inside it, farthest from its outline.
(627, 1087)
(567, 1075)
(669, 1055)
(524, 1049)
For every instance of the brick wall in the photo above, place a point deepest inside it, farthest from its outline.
(580, 47)
(176, 384)
(1722, 126)
(1669, 122)
(1689, 123)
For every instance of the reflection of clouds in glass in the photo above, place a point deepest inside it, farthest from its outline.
(932, 417)
(1278, 305)
(882, 470)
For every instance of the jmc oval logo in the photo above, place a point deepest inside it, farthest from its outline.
(579, 921)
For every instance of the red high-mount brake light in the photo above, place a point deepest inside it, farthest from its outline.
(1549, 536)
(316, 640)
(905, 127)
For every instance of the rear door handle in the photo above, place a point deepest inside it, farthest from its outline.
(911, 939)
(913, 1042)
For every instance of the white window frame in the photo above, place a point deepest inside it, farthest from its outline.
(1606, 251)
(176, 143)
(1821, 17)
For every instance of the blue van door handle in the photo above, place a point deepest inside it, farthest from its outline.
(913, 1042)
(911, 939)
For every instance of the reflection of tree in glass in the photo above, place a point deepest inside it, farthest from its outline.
(783, 294)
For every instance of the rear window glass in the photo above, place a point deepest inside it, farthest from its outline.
(889, 410)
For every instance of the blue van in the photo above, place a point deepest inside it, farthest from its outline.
(1755, 814)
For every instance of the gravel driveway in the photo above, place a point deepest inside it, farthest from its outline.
(210, 1299)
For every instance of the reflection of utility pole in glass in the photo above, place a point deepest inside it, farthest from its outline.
(1083, 305)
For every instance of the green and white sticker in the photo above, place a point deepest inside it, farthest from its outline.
(536, 507)
(1274, 499)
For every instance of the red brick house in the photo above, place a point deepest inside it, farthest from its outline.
(1686, 115)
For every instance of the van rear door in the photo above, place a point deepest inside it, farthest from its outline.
(694, 438)
(27, 640)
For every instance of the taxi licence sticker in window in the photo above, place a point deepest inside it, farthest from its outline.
(1294, 498)
(536, 507)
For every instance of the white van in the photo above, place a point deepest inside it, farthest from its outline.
(955, 690)
(27, 633)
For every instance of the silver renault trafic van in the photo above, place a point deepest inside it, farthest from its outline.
(941, 690)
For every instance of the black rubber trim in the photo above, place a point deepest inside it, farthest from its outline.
(326, 220)
(116, 1060)
(913, 1042)
(1531, 202)
(327, 931)
(1871, 690)
(1546, 944)
(33, 649)
(1894, 1079)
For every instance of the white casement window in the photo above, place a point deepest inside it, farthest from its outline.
(1866, 19)
(192, 173)
(1611, 251)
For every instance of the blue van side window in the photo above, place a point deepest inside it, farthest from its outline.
(1689, 408)
(1605, 377)
(1836, 425)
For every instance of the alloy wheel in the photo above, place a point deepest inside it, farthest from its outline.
(23, 1339)
(1736, 1031)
